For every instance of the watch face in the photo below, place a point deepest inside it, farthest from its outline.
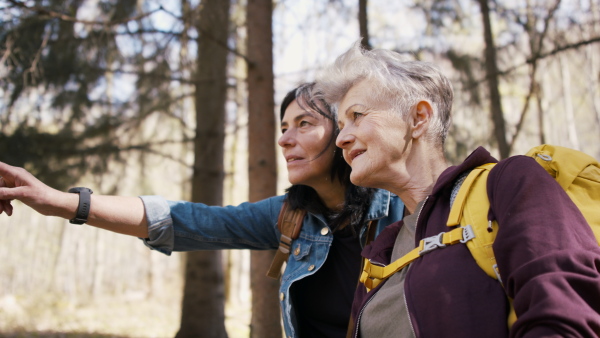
(77, 190)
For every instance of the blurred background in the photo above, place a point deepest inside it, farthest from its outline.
(180, 99)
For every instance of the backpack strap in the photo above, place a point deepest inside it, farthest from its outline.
(373, 274)
(471, 207)
(470, 228)
(289, 224)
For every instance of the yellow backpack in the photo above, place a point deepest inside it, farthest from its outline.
(578, 174)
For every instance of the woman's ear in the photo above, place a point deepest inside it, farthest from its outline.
(422, 116)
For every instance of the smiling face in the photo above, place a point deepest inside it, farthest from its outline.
(374, 141)
(306, 145)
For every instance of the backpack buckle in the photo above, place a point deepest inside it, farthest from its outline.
(432, 243)
(468, 233)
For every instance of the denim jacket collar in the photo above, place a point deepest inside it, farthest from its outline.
(379, 208)
(380, 205)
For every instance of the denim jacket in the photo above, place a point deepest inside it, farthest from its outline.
(185, 226)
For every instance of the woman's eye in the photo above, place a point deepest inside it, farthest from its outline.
(357, 115)
(304, 123)
(283, 130)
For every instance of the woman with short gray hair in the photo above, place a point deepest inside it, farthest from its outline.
(394, 116)
(398, 84)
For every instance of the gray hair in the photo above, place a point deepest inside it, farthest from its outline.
(399, 84)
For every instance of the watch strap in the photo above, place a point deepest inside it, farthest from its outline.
(83, 209)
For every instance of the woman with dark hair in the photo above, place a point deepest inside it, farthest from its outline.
(322, 270)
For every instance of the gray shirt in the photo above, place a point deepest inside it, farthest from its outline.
(377, 319)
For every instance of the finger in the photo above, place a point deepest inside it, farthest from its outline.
(3, 182)
(7, 207)
(9, 174)
(5, 169)
(7, 194)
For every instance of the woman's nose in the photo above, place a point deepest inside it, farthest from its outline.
(344, 139)
(286, 139)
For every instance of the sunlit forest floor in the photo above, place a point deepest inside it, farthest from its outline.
(109, 317)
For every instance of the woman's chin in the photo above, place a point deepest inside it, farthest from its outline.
(358, 179)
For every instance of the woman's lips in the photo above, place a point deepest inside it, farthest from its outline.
(292, 158)
(355, 153)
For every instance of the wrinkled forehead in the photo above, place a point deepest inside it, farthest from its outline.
(366, 93)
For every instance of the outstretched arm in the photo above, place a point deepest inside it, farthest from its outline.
(125, 215)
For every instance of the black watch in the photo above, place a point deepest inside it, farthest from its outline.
(85, 200)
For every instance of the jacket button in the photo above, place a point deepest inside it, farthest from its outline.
(297, 251)
(281, 296)
(311, 268)
(324, 231)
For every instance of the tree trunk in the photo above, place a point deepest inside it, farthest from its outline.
(592, 56)
(567, 94)
(363, 23)
(203, 305)
(492, 80)
(540, 108)
(262, 167)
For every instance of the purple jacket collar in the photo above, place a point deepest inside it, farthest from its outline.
(381, 249)
(478, 157)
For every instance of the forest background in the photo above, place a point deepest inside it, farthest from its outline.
(180, 98)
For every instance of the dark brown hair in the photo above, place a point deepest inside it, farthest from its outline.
(357, 199)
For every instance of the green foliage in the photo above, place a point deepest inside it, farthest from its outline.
(59, 159)
(73, 62)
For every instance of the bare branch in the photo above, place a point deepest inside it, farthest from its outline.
(142, 31)
(553, 52)
(169, 156)
(153, 75)
(550, 15)
(566, 47)
(33, 68)
(532, 74)
(64, 17)
(8, 51)
(208, 35)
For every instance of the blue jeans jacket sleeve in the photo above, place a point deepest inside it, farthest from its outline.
(186, 226)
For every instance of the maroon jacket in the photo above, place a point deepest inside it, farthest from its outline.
(547, 255)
